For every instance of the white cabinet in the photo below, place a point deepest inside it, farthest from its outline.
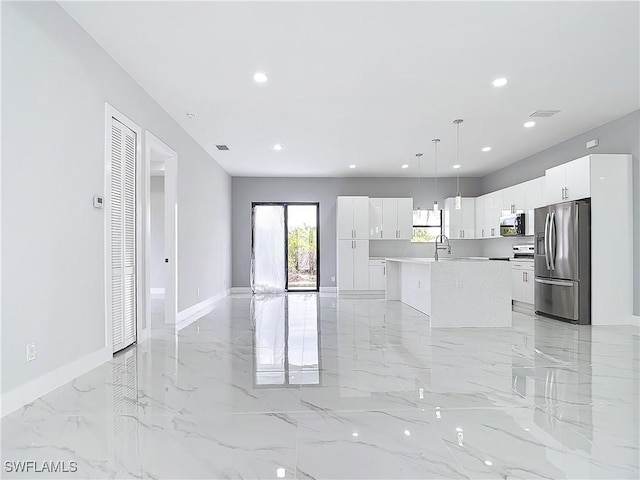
(569, 181)
(397, 218)
(377, 274)
(375, 218)
(480, 231)
(353, 265)
(352, 217)
(513, 198)
(533, 198)
(405, 218)
(492, 211)
(522, 276)
(459, 224)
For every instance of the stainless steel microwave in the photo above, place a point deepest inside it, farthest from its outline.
(512, 225)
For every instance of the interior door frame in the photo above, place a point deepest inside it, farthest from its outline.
(141, 333)
(170, 227)
(286, 205)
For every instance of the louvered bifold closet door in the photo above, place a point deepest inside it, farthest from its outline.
(123, 235)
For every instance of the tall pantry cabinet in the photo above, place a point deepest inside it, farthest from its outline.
(352, 224)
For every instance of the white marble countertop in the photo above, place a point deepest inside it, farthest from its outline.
(432, 260)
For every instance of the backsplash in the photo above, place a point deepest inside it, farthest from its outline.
(404, 248)
(487, 247)
(502, 246)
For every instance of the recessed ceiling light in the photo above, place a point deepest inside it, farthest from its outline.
(500, 82)
(277, 146)
(405, 166)
(281, 472)
(260, 77)
(486, 149)
(352, 166)
(354, 434)
(529, 124)
(456, 166)
(488, 462)
(407, 433)
(190, 115)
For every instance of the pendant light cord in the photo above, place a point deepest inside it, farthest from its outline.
(458, 158)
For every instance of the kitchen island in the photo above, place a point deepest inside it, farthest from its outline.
(453, 292)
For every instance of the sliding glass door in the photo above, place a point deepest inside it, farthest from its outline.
(285, 248)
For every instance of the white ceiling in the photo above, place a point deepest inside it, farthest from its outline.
(372, 83)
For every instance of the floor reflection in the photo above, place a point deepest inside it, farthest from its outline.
(286, 339)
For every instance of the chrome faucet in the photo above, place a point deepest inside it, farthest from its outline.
(446, 247)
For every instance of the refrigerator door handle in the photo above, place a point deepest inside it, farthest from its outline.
(560, 283)
(552, 241)
(546, 241)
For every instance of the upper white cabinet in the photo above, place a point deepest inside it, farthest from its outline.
(459, 224)
(480, 217)
(513, 199)
(352, 218)
(375, 218)
(390, 218)
(569, 181)
(492, 212)
(533, 198)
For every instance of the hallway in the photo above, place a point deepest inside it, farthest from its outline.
(308, 386)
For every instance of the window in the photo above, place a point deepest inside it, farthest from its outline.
(427, 225)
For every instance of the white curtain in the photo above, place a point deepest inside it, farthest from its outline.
(268, 266)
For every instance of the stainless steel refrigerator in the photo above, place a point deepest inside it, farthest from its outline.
(562, 286)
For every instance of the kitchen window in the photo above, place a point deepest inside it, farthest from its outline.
(427, 225)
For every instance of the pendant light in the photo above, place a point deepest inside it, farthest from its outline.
(418, 155)
(458, 199)
(435, 173)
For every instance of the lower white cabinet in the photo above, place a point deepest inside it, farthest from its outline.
(377, 275)
(353, 265)
(522, 281)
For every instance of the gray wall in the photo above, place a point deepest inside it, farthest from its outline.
(324, 190)
(55, 82)
(619, 136)
(156, 192)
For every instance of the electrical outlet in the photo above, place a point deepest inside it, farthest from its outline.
(198, 291)
(333, 279)
(31, 352)
(458, 283)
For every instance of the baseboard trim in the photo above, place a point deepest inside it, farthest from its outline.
(27, 393)
(240, 289)
(189, 315)
(375, 294)
(328, 289)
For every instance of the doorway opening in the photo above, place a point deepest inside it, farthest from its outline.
(285, 247)
(161, 233)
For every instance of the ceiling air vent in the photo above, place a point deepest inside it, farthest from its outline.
(222, 147)
(544, 113)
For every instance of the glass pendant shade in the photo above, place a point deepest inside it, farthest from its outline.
(435, 141)
(458, 199)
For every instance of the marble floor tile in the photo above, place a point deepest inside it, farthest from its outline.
(314, 386)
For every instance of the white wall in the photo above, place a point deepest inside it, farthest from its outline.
(55, 82)
(156, 191)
